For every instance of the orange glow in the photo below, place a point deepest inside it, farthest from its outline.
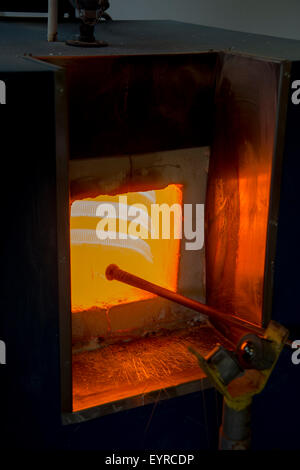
(153, 259)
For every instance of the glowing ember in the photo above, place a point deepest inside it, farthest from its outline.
(98, 240)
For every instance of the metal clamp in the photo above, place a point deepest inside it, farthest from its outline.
(240, 375)
(242, 381)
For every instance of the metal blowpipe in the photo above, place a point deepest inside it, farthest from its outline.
(113, 272)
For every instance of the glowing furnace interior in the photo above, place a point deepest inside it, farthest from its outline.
(134, 242)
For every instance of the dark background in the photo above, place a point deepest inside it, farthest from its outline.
(40, 6)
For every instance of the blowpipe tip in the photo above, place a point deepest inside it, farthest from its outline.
(110, 270)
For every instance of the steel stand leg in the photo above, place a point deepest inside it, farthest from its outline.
(235, 432)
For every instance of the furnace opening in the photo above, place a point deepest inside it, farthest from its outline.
(126, 341)
(127, 240)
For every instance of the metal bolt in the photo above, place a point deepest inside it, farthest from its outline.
(248, 350)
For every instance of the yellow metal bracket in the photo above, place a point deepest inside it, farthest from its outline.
(238, 394)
